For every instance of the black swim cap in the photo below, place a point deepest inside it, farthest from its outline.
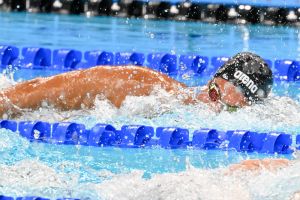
(250, 73)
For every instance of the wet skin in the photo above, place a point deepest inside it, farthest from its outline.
(78, 89)
(256, 165)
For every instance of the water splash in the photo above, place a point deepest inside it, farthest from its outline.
(36, 178)
(6, 78)
(163, 109)
(89, 173)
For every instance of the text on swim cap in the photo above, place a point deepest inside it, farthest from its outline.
(239, 75)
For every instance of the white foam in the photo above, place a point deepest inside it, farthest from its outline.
(205, 184)
(71, 178)
(163, 109)
(6, 79)
(191, 184)
(35, 178)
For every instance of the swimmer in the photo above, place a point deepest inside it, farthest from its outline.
(243, 80)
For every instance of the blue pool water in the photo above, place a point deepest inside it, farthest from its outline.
(110, 173)
(122, 34)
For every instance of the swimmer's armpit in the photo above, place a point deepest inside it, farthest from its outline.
(254, 165)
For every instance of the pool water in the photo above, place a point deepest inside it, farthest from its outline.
(123, 34)
(110, 173)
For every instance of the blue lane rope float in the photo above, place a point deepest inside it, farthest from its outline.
(196, 63)
(139, 136)
(8, 54)
(102, 135)
(68, 59)
(95, 58)
(166, 63)
(33, 57)
(125, 58)
(2, 197)
(294, 71)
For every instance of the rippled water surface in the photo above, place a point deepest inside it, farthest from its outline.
(111, 173)
(122, 34)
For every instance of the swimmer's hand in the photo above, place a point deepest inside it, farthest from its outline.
(255, 165)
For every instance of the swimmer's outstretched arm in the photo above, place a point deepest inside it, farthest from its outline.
(258, 164)
(77, 89)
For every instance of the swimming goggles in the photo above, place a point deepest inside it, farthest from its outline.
(215, 96)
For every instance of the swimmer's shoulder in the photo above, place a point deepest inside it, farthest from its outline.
(130, 70)
(125, 68)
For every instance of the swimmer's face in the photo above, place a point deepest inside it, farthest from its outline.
(224, 92)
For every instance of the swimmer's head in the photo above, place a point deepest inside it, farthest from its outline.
(250, 74)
